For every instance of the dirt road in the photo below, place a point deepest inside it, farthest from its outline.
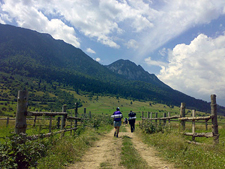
(106, 153)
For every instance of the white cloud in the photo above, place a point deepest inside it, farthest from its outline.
(98, 59)
(89, 50)
(149, 23)
(27, 14)
(149, 61)
(197, 69)
(163, 51)
(132, 44)
(175, 17)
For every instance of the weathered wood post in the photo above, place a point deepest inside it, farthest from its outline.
(169, 119)
(7, 122)
(142, 116)
(193, 125)
(156, 116)
(84, 112)
(63, 123)
(164, 121)
(182, 114)
(90, 114)
(22, 103)
(76, 106)
(35, 118)
(71, 126)
(58, 122)
(206, 124)
(148, 115)
(151, 116)
(214, 119)
(50, 124)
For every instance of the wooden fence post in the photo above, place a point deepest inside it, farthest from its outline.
(182, 114)
(214, 119)
(76, 106)
(206, 124)
(58, 122)
(84, 113)
(151, 116)
(71, 126)
(50, 124)
(90, 114)
(148, 115)
(35, 118)
(156, 116)
(164, 121)
(169, 119)
(193, 125)
(142, 116)
(7, 122)
(22, 103)
(63, 123)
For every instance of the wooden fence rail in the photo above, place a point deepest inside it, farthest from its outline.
(22, 114)
(194, 119)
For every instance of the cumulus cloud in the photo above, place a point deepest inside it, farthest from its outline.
(150, 23)
(89, 50)
(197, 69)
(28, 14)
(176, 16)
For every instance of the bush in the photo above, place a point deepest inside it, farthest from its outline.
(17, 152)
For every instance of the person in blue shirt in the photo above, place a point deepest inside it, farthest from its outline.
(117, 121)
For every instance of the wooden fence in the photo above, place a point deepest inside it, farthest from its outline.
(194, 119)
(22, 114)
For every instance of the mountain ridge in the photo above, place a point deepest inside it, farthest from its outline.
(132, 71)
(32, 54)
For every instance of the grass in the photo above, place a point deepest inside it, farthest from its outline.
(130, 157)
(60, 152)
(105, 165)
(70, 149)
(172, 146)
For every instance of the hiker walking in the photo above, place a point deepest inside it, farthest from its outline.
(117, 115)
(132, 117)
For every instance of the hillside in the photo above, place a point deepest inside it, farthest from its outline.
(42, 63)
(131, 71)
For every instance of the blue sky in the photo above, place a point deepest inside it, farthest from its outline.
(180, 41)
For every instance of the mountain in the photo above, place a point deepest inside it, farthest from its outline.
(131, 71)
(27, 54)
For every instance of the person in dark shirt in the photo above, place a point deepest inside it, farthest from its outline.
(131, 119)
(117, 121)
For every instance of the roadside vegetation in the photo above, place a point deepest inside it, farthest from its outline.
(53, 152)
(172, 145)
(62, 151)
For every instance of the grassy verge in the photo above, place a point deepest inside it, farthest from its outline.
(130, 157)
(70, 149)
(53, 152)
(173, 146)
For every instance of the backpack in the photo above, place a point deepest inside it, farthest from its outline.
(132, 114)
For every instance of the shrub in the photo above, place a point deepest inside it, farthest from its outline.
(17, 152)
